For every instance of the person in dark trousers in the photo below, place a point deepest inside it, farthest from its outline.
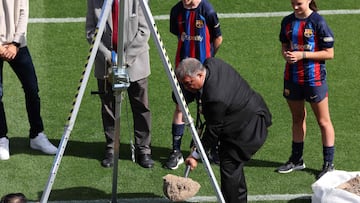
(137, 60)
(235, 115)
(14, 16)
(307, 41)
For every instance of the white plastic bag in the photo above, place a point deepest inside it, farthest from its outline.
(325, 191)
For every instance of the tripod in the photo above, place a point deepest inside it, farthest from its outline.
(121, 83)
(120, 80)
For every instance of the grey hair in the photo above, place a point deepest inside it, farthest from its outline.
(14, 198)
(188, 67)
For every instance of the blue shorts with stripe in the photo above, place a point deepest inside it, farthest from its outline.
(312, 94)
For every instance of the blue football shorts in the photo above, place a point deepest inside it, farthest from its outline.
(312, 94)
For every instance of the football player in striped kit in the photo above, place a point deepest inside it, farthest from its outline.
(197, 27)
(307, 41)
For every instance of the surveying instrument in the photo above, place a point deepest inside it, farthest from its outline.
(120, 82)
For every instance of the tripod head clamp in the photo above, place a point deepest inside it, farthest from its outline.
(120, 76)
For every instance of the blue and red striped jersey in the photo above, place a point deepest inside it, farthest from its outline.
(196, 29)
(310, 34)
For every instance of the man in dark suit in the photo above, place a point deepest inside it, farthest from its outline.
(235, 115)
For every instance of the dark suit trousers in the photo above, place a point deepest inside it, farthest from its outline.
(233, 159)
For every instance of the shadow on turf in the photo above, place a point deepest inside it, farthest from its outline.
(90, 150)
(95, 150)
(272, 164)
(87, 193)
(300, 200)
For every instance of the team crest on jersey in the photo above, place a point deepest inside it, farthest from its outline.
(199, 23)
(308, 33)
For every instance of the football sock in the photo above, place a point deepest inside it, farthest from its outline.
(297, 151)
(328, 153)
(177, 133)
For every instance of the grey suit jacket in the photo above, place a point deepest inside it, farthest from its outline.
(136, 37)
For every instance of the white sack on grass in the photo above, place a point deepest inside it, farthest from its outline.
(325, 191)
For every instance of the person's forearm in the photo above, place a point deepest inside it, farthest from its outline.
(217, 43)
(325, 54)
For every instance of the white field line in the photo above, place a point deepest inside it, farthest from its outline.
(270, 197)
(274, 197)
(221, 15)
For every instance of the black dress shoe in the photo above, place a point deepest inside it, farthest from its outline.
(145, 161)
(108, 161)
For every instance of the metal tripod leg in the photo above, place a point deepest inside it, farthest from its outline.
(179, 96)
(121, 82)
(78, 98)
(116, 145)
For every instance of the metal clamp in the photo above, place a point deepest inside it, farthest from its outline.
(119, 75)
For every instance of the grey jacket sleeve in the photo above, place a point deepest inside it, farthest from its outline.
(138, 43)
(93, 12)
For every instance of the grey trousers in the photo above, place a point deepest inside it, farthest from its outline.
(138, 97)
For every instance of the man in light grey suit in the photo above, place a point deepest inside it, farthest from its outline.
(137, 60)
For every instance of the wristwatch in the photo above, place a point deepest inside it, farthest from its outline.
(16, 44)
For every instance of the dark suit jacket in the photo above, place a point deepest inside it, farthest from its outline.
(229, 105)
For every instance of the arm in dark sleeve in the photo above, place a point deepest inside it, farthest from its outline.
(282, 34)
(173, 22)
(214, 114)
(214, 25)
(325, 34)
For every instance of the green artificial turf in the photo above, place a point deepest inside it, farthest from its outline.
(251, 45)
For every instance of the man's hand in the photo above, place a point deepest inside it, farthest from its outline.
(191, 161)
